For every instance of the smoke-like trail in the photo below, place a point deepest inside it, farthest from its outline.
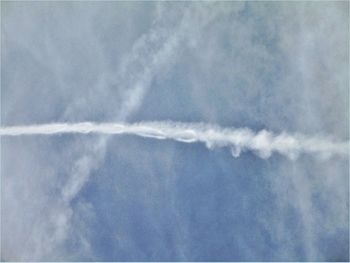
(263, 143)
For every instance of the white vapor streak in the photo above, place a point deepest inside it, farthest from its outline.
(263, 143)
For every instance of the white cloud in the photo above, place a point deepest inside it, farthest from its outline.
(263, 142)
(281, 66)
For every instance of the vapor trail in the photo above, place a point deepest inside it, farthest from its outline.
(263, 143)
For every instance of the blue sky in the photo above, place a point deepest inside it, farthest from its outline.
(278, 66)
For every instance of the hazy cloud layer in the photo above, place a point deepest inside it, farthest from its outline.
(278, 66)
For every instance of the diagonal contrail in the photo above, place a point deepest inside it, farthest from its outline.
(263, 143)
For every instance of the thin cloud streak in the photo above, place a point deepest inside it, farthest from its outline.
(264, 143)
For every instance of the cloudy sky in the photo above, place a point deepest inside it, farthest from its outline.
(278, 66)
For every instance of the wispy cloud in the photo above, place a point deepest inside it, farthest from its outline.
(261, 65)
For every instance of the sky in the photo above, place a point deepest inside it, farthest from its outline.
(275, 66)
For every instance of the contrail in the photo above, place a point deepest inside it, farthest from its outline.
(264, 143)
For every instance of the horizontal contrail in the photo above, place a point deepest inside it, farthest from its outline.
(263, 143)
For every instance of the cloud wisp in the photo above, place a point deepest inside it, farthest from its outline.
(264, 143)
